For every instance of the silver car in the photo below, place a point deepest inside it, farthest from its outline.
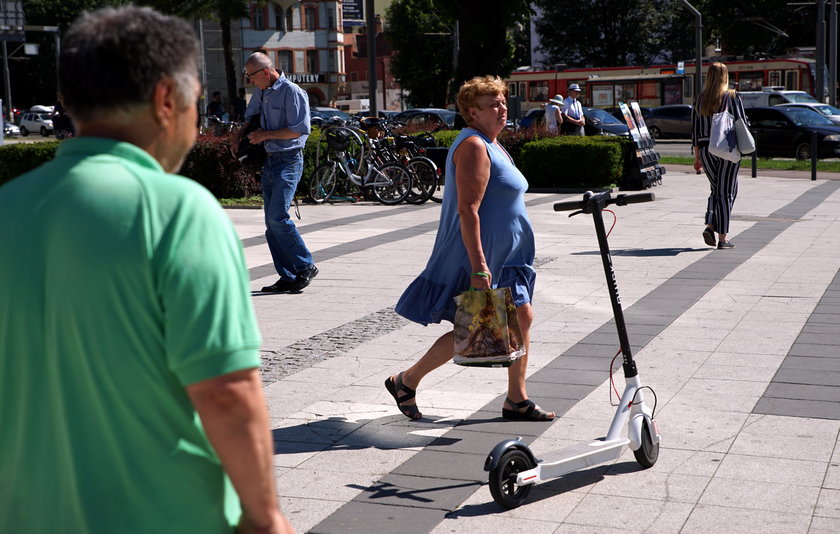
(830, 112)
(36, 122)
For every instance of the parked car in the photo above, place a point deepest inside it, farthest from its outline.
(598, 121)
(10, 129)
(430, 118)
(785, 131)
(616, 112)
(320, 115)
(601, 122)
(36, 122)
(772, 96)
(831, 112)
(670, 121)
(532, 118)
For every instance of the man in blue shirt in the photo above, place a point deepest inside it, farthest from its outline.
(283, 108)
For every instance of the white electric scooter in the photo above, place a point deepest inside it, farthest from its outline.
(513, 468)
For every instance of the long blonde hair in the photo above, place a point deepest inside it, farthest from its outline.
(717, 82)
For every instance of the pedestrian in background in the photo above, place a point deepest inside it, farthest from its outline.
(553, 117)
(573, 112)
(722, 174)
(131, 395)
(484, 240)
(216, 108)
(239, 106)
(283, 108)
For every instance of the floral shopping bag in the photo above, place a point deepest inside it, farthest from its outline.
(487, 332)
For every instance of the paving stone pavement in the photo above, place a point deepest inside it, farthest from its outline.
(742, 348)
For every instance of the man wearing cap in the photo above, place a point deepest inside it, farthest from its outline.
(573, 112)
(553, 118)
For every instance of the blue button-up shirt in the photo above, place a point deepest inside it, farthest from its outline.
(283, 105)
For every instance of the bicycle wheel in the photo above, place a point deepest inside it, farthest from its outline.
(423, 180)
(322, 184)
(391, 183)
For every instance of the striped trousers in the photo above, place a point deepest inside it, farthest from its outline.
(723, 179)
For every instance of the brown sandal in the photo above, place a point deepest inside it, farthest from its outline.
(395, 385)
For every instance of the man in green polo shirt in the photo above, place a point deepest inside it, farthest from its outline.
(130, 396)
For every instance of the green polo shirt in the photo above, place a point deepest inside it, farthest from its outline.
(121, 285)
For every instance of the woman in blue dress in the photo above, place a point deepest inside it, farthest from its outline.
(484, 240)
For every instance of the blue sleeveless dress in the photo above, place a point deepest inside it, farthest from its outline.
(506, 237)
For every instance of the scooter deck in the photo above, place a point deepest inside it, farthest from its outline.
(575, 457)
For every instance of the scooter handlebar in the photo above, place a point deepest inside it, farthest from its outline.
(603, 199)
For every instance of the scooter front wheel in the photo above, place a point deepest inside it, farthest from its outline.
(648, 453)
(503, 487)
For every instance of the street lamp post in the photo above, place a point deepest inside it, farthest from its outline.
(698, 45)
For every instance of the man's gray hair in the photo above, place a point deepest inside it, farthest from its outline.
(112, 59)
(260, 61)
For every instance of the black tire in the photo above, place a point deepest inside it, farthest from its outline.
(322, 184)
(648, 453)
(23, 131)
(502, 480)
(803, 151)
(44, 131)
(398, 188)
(655, 132)
(423, 180)
(437, 193)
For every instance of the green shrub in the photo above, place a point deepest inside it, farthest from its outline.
(23, 157)
(211, 164)
(573, 162)
(445, 137)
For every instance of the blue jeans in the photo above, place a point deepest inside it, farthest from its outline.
(280, 177)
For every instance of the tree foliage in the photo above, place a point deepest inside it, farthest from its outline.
(607, 33)
(421, 34)
(422, 42)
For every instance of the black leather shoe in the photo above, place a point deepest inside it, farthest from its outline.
(304, 278)
(284, 285)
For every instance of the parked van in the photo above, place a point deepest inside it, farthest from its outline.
(773, 96)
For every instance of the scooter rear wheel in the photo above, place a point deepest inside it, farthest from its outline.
(503, 487)
(648, 453)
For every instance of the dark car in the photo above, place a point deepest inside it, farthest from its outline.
(668, 122)
(320, 115)
(616, 112)
(533, 117)
(600, 122)
(785, 131)
(430, 118)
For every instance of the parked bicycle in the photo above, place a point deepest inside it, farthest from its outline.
(352, 161)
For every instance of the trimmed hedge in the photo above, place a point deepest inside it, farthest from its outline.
(547, 162)
(562, 161)
(573, 162)
(23, 157)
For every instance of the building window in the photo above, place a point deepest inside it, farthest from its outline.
(309, 16)
(331, 56)
(354, 76)
(284, 60)
(259, 20)
(289, 20)
(775, 77)
(331, 19)
(279, 20)
(311, 61)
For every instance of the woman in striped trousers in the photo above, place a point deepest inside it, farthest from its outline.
(722, 174)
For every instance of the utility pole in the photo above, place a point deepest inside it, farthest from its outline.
(698, 45)
(832, 54)
(819, 78)
(11, 29)
(370, 20)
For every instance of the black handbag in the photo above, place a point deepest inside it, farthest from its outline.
(248, 152)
